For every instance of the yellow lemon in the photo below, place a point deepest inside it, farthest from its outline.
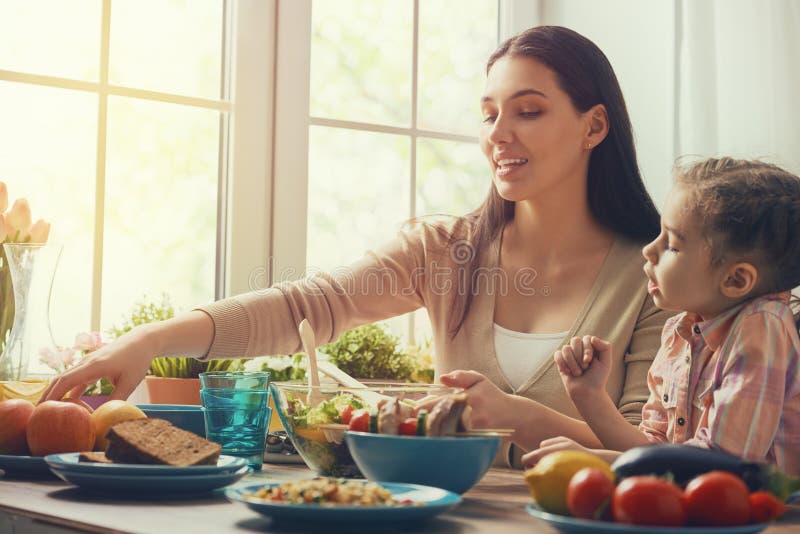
(109, 414)
(29, 389)
(548, 479)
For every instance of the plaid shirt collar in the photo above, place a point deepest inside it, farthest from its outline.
(715, 330)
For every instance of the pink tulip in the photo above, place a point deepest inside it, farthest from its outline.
(88, 342)
(19, 217)
(3, 197)
(3, 229)
(39, 231)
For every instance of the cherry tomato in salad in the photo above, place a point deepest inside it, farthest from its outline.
(589, 494)
(346, 414)
(648, 500)
(408, 427)
(765, 506)
(359, 422)
(717, 499)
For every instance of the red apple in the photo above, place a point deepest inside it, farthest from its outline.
(14, 416)
(79, 402)
(57, 426)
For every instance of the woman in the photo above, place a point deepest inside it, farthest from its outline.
(552, 253)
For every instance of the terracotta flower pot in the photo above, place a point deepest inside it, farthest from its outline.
(173, 390)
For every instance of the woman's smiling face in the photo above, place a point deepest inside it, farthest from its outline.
(532, 135)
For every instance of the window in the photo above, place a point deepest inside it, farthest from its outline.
(388, 111)
(117, 125)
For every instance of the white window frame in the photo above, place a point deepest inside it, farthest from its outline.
(245, 141)
(293, 118)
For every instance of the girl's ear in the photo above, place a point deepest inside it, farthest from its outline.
(740, 279)
(597, 126)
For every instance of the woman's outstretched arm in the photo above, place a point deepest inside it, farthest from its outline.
(126, 360)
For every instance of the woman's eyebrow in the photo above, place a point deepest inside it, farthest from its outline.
(521, 92)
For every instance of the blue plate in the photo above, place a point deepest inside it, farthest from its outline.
(186, 416)
(24, 465)
(434, 501)
(150, 484)
(572, 525)
(69, 462)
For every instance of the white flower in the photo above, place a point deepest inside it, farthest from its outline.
(59, 359)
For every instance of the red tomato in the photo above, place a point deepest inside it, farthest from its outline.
(346, 414)
(589, 493)
(765, 506)
(648, 500)
(717, 499)
(359, 422)
(408, 427)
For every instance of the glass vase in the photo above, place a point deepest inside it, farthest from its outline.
(32, 269)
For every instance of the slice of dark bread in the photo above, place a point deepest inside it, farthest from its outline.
(156, 441)
(95, 457)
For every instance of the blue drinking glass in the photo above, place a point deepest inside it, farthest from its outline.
(237, 413)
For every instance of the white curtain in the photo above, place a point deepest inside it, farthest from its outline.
(738, 79)
(700, 77)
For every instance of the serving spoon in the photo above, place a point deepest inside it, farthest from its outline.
(309, 345)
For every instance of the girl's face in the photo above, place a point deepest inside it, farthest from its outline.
(681, 277)
(532, 135)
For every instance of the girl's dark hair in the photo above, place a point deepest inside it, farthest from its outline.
(618, 199)
(750, 208)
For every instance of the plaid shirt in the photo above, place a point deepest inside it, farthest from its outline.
(730, 383)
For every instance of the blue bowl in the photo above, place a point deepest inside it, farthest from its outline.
(454, 464)
(185, 416)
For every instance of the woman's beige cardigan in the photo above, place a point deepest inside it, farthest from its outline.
(419, 269)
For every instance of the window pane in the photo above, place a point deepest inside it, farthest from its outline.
(357, 193)
(361, 60)
(452, 59)
(51, 37)
(452, 177)
(174, 46)
(161, 205)
(47, 155)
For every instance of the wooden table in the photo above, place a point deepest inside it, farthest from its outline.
(495, 505)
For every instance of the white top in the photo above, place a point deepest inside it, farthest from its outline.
(520, 354)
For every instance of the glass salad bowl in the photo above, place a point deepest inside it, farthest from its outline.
(313, 419)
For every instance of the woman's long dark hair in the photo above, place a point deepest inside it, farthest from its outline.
(618, 199)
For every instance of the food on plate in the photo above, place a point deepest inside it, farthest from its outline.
(156, 441)
(79, 402)
(328, 492)
(648, 501)
(394, 417)
(94, 457)
(765, 506)
(684, 462)
(548, 480)
(14, 417)
(717, 499)
(110, 413)
(57, 426)
(589, 493)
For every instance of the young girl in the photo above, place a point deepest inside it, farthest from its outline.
(727, 375)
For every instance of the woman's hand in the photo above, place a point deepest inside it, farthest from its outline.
(124, 362)
(584, 365)
(489, 405)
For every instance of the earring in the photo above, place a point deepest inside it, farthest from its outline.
(588, 146)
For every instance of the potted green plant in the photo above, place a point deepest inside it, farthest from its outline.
(371, 352)
(169, 380)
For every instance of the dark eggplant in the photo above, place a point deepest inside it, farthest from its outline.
(684, 462)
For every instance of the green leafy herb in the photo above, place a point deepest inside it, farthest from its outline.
(369, 351)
